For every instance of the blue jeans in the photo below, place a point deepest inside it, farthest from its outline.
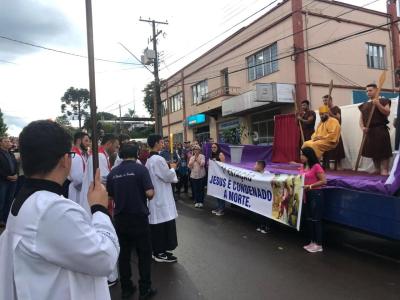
(314, 213)
(220, 204)
(198, 189)
(7, 193)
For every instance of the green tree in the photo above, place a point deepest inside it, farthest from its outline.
(130, 114)
(3, 126)
(100, 116)
(75, 102)
(149, 98)
(64, 122)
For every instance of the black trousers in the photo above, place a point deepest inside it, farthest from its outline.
(314, 213)
(183, 181)
(134, 234)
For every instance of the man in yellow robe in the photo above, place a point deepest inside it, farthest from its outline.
(327, 134)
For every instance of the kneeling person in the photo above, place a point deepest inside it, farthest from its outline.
(130, 186)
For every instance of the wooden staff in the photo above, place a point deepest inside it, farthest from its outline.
(298, 121)
(382, 79)
(330, 89)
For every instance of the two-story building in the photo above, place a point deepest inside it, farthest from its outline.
(290, 53)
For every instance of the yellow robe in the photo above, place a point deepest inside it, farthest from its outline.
(329, 134)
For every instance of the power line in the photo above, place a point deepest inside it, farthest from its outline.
(62, 51)
(287, 36)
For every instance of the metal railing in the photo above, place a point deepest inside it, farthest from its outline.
(219, 92)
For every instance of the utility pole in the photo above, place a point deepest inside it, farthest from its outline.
(157, 90)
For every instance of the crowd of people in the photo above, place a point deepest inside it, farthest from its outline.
(81, 247)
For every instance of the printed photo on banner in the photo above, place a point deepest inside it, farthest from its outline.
(287, 195)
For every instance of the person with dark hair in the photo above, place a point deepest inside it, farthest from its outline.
(197, 175)
(78, 166)
(396, 121)
(307, 119)
(327, 134)
(129, 185)
(52, 248)
(377, 141)
(109, 145)
(162, 208)
(314, 179)
(336, 154)
(8, 178)
(217, 155)
(124, 140)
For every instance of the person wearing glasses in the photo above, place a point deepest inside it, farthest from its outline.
(67, 251)
(197, 175)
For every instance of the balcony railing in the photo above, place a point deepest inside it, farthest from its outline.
(219, 92)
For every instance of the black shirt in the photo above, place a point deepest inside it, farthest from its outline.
(127, 185)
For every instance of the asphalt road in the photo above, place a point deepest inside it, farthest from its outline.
(226, 258)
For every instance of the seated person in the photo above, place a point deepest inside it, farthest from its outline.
(327, 134)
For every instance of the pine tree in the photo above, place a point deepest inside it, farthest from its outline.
(3, 126)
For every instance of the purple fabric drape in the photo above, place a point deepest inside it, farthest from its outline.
(251, 153)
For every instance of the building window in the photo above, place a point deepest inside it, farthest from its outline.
(263, 62)
(376, 56)
(164, 108)
(199, 91)
(176, 102)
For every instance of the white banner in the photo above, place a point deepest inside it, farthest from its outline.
(278, 197)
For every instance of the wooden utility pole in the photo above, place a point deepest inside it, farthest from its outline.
(92, 86)
(157, 92)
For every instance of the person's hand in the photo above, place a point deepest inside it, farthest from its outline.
(365, 129)
(307, 187)
(375, 101)
(299, 118)
(317, 138)
(97, 194)
(172, 165)
(12, 178)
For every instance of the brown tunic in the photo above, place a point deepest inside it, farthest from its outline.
(377, 141)
(308, 129)
(336, 154)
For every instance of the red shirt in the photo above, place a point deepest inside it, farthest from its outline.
(310, 175)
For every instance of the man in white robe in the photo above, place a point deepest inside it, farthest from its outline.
(81, 139)
(51, 248)
(162, 208)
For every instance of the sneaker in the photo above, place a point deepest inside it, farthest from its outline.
(311, 244)
(112, 283)
(258, 228)
(148, 294)
(214, 211)
(315, 248)
(220, 213)
(163, 257)
(127, 292)
(171, 256)
(200, 205)
(196, 205)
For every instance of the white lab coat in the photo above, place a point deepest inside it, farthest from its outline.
(78, 167)
(162, 207)
(88, 178)
(54, 250)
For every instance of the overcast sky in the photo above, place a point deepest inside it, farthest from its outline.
(33, 80)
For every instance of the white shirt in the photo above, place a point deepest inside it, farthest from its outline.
(54, 250)
(78, 167)
(88, 178)
(119, 160)
(162, 207)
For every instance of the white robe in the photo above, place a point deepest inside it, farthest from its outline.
(78, 167)
(54, 250)
(162, 207)
(88, 178)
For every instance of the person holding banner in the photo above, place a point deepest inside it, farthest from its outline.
(264, 222)
(377, 143)
(314, 197)
(217, 155)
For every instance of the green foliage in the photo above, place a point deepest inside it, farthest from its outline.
(234, 135)
(130, 114)
(3, 126)
(64, 122)
(141, 133)
(75, 102)
(101, 116)
(148, 99)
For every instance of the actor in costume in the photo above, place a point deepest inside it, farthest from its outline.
(52, 248)
(162, 208)
(307, 119)
(336, 154)
(377, 141)
(326, 137)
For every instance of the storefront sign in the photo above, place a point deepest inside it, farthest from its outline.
(278, 197)
(196, 119)
(275, 92)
